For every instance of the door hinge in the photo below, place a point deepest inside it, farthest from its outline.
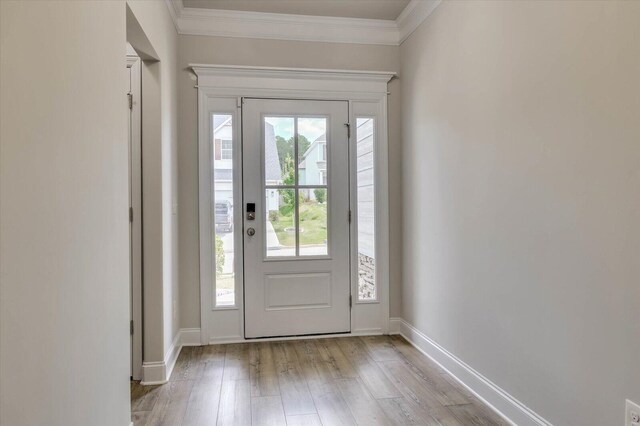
(130, 214)
(131, 327)
(130, 99)
(350, 301)
(349, 216)
(348, 125)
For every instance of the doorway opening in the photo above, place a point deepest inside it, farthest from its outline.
(135, 213)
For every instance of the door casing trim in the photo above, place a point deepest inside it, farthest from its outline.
(366, 93)
(134, 64)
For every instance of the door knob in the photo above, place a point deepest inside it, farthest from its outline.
(251, 232)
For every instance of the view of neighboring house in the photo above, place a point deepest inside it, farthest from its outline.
(312, 170)
(273, 172)
(223, 161)
(366, 213)
(223, 158)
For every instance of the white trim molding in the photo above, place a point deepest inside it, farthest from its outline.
(413, 15)
(491, 394)
(252, 78)
(279, 26)
(158, 372)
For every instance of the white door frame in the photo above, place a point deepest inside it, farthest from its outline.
(135, 212)
(220, 89)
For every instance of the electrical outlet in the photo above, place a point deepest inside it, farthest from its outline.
(632, 417)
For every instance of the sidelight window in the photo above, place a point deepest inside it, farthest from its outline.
(223, 203)
(365, 183)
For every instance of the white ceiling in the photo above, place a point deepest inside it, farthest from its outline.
(370, 9)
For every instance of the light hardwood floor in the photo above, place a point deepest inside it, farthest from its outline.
(337, 381)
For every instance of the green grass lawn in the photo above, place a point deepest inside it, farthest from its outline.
(313, 224)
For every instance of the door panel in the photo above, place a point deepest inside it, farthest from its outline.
(296, 227)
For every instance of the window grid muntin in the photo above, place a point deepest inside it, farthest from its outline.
(297, 187)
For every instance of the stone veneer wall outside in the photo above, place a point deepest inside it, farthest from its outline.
(366, 277)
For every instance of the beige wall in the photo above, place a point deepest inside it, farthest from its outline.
(64, 304)
(236, 51)
(521, 158)
(160, 179)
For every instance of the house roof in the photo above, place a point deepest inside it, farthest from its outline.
(321, 138)
(219, 120)
(271, 158)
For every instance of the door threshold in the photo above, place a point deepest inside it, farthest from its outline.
(296, 337)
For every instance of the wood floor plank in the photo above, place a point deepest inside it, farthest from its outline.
(235, 403)
(267, 411)
(442, 416)
(409, 385)
(400, 412)
(140, 418)
(296, 397)
(171, 405)
(369, 371)
(331, 406)
(335, 360)
(362, 405)
(211, 353)
(143, 398)
(236, 362)
(443, 390)
(476, 415)
(314, 369)
(188, 365)
(414, 356)
(431, 374)
(202, 408)
(381, 349)
(213, 371)
(304, 420)
(262, 370)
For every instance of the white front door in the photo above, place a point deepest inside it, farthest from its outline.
(296, 217)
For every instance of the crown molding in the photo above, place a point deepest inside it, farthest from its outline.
(413, 15)
(232, 23)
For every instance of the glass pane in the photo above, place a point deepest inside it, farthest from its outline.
(366, 208)
(313, 222)
(312, 150)
(281, 224)
(223, 209)
(279, 151)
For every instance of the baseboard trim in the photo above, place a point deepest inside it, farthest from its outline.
(491, 394)
(158, 372)
(154, 373)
